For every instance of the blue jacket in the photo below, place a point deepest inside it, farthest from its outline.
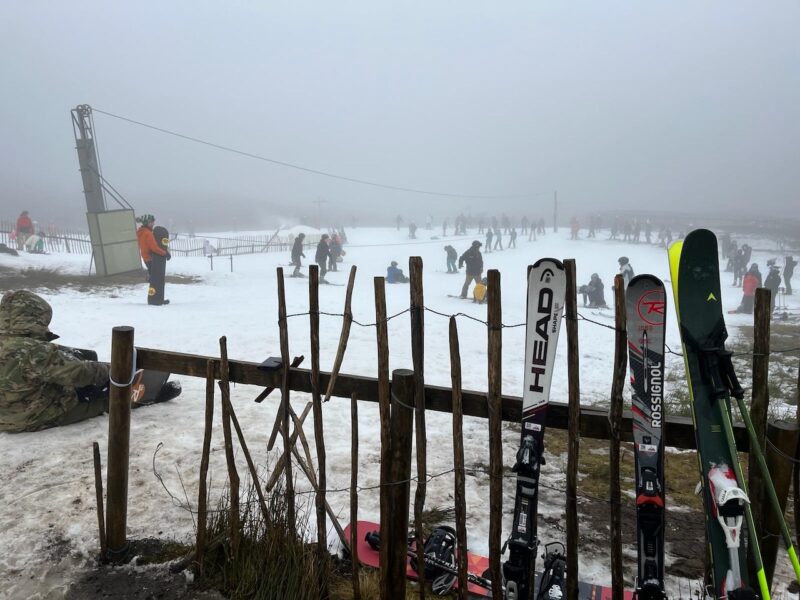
(393, 274)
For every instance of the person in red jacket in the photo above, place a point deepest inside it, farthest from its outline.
(24, 229)
(750, 282)
(147, 241)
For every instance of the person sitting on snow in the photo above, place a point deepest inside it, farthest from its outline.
(394, 274)
(479, 292)
(42, 384)
(592, 292)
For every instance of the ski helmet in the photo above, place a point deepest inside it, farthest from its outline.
(476, 243)
(623, 260)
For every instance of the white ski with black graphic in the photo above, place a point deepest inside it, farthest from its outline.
(546, 291)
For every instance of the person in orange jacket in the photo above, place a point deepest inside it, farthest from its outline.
(147, 241)
(750, 282)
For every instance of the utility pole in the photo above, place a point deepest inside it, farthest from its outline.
(319, 202)
(555, 211)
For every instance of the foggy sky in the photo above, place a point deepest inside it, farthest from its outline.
(683, 105)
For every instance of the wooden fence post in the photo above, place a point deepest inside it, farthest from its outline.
(319, 437)
(458, 461)
(98, 488)
(119, 439)
(495, 381)
(202, 493)
(384, 409)
(287, 447)
(758, 413)
(345, 335)
(573, 376)
(418, 359)
(354, 494)
(230, 459)
(394, 543)
(615, 423)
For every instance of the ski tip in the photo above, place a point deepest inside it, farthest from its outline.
(645, 277)
(554, 261)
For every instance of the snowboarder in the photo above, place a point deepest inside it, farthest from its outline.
(625, 269)
(474, 262)
(512, 239)
(42, 384)
(297, 254)
(773, 284)
(452, 256)
(322, 255)
(148, 244)
(750, 282)
(592, 292)
(24, 229)
(788, 271)
(394, 274)
(498, 238)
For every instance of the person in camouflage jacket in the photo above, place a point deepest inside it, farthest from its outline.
(40, 381)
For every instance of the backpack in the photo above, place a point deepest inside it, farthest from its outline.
(441, 545)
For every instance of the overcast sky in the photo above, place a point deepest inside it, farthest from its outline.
(680, 105)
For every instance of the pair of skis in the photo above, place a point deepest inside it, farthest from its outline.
(694, 270)
(646, 307)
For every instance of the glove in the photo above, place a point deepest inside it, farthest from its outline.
(168, 255)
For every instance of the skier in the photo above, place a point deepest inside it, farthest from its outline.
(474, 262)
(297, 253)
(43, 385)
(738, 267)
(773, 284)
(322, 255)
(335, 252)
(24, 229)
(498, 238)
(592, 292)
(399, 221)
(412, 231)
(788, 271)
(512, 239)
(489, 236)
(147, 243)
(750, 282)
(452, 255)
(524, 225)
(625, 269)
(394, 274)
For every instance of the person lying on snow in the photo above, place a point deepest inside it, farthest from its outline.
(42, 384)
(395, 274)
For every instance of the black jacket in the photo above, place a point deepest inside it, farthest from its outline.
(297, 249)
(323, 252)
(474, 260)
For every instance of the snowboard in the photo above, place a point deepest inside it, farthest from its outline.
(694, 269)
(147, 386)
(158, 268)
(646, 314)
(476, 565)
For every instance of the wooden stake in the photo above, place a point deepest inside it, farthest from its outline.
(279, 467)
(573, 376)
(233, 474)
(319, 437)
(418, 359)
(119, 440)
(98, 488)
(296, 362)
(354, 494)
(458, 461)
(345, 335)
(202, 493)
(382, 340)
(495, 354)
(615, 424)
(284, 341)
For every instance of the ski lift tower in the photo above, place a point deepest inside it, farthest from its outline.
(112, 232)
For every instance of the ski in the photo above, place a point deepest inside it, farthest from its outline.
(646, 313)
(546, 293)
(694, 270)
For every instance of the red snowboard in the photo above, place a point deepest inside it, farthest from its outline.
(476, 564)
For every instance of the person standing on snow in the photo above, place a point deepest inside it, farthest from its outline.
(750, 282)
(147, 242)
(474, 262)
(489, 236)
(322, 256)
(24, 229)
(297, 254)
(625, 269)
(452, 255)
(773, 284)
(498, 238)
(788, 271)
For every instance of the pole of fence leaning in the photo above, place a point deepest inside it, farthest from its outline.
(573, 429)
(319, 438)
(230, 458)
(758, 414)
(418, 359)
(354, 495)
(283, 327)
(458, 461)
(495, 380)
(384, 409)
(615, 423)
(119, 439)
(394, 543)
(98, 488)
(345, 335)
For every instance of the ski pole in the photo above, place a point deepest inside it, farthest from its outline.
(755, 448)
(727, 425)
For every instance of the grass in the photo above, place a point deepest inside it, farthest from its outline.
(41, 278)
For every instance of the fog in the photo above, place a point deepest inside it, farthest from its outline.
(683, 105)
